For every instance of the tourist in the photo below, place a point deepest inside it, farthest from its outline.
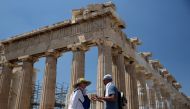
(79, 99)
(111, 94)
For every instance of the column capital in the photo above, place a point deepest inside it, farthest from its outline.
(149, 76)
(27, 58)
(157, 86)
(140, 69)
(8, 63)
(80, 48)
(116, 51)
(104, 42)
(129, 61)
(52, 52)
(108, 43)
(140, 74)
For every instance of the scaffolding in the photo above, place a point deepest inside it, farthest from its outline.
(60, 95)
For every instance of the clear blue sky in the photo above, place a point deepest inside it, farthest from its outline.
(162, 25)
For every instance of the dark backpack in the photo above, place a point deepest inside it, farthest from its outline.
(121, 100)
(86, 103)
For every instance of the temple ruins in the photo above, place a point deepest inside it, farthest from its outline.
(145, 82)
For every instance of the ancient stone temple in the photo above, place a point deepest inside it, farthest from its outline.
(145, 83)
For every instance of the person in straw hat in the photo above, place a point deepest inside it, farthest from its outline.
(78, 97)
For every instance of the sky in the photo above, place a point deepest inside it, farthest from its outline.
(163, 26)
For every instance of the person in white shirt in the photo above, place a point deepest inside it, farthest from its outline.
(111, 94)
(77, 98)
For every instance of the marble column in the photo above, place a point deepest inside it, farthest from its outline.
(25, 84)
(150, 94)
(49, 82)
(5, 80)
(179, 105)
(163, 100)
(131, 85)
(118, 72)
(157, 96)
(168, 101)
(142, 94)
(15, 82)
(104, 67)
(78, 65)
(174, 103)
(78, 69)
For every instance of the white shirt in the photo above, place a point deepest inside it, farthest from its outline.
(107, 88)
(74, 102)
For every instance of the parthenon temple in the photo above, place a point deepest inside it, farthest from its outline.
(144, 81)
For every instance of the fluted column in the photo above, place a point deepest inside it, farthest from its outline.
(78, 65)
(142, 94)
(49, 82)
(163, 100)
(15, 82)
(174, 103)
(181, 105)
(178, 104)
(5, 80)
(104, 67)
(150, 94)
(25, 84)
(131, 85)
(157, 96)
(168, 101)
(78, 69)
(118, 71)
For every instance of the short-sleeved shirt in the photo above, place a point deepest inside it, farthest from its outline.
(74, 102)
(111, 90)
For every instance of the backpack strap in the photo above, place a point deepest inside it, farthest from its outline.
(81, 92)
(80, 100)
(77, 90)
(86, 101)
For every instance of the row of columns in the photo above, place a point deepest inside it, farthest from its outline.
(140, 91)
(109, 62)
(152, 95)
(16, 92)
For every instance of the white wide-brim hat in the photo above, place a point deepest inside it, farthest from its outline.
(81, 80)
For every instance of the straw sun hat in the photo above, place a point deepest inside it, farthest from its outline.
(81, 80)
